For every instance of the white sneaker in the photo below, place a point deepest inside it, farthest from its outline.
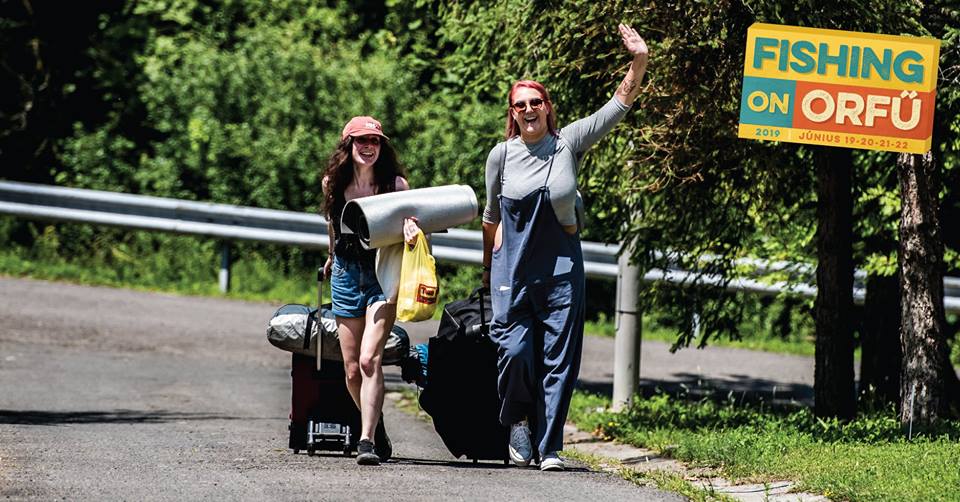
(520, 450)
(551, 462)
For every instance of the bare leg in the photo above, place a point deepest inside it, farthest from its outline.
(379, 322)
(350, 332)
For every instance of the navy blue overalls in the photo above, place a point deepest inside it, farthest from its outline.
(537, 286)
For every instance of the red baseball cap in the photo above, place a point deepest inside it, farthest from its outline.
(362, 126)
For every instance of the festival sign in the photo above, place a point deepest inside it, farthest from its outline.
(839, 88)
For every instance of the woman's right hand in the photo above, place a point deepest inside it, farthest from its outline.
(633, 42)
(411, 230)
(328, 267)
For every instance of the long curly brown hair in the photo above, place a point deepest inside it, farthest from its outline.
(339, 173)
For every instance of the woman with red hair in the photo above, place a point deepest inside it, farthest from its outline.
(532, 258)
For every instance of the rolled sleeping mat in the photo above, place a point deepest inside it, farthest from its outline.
(378, 219)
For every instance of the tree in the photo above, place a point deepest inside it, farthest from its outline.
(930, 389)
(881, 355)
(45, 62)
(926, 360)
(833, 383)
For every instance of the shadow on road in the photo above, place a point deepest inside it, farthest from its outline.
(456, 464)
(742, 388)
(41, 417)
(469, 464)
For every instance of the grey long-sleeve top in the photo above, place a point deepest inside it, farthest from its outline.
(526, 165)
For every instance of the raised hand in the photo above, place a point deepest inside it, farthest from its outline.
(633, 42)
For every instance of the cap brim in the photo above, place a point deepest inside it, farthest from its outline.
(365, 133)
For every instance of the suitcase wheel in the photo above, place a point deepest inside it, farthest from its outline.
(296, 451)
(311, 451)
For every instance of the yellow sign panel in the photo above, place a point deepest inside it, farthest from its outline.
(839, 88)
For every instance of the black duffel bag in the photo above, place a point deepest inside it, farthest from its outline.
(461, 389)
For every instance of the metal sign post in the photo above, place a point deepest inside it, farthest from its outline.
(626, 356)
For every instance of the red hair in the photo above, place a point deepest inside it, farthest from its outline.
(513, 129)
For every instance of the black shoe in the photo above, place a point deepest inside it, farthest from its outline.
(383, 446)
(365, 454)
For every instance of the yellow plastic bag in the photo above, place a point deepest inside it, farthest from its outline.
(419, 289)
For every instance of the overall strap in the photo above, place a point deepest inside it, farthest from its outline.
(503, 165)
(550, 167)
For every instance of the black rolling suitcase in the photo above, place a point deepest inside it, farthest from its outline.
(461, 390)
(323, 416)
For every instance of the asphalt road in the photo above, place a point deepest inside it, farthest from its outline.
(109, 394)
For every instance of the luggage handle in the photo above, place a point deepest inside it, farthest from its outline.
(483, 321)
(306, 338)
(481, 329)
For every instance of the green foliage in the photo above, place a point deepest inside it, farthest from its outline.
(158, 262)
(241, 101)
(867, 459)
(456, 282)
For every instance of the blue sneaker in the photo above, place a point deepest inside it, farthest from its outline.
(520, 450)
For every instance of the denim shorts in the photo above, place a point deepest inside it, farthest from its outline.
(354, 287)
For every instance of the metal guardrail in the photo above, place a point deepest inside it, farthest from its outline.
(231, 222)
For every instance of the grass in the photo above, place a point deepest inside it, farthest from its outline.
(185, 265)
(278, 289)
(867, 459)
(409, 402)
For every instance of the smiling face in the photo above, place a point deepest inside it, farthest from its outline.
(365, 150)
(531, 119)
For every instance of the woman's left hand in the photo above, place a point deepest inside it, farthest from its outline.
(633, 42)
(411, 230)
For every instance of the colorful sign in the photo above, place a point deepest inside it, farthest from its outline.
(839, 88)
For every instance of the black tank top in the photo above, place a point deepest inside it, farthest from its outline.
(348, 246)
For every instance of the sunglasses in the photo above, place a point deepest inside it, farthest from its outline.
(367, 140)
(521, 106)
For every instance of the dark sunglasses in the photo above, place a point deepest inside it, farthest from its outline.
(521, 106)
(367, 140)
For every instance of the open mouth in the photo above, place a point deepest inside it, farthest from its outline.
(530, 119)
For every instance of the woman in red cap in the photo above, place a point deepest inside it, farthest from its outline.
(532, 257)
(363, 164)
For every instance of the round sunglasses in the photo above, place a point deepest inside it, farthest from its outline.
(521, 106)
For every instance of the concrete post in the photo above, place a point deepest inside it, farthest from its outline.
(626, 357)
(225, 267)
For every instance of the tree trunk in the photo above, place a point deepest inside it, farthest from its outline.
(833, 384)
(924, 398)
(880, 342)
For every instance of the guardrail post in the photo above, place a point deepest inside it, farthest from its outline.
(225, 267)
(626, 356)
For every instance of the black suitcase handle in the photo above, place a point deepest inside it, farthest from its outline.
(306, 336)
(482, 329)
